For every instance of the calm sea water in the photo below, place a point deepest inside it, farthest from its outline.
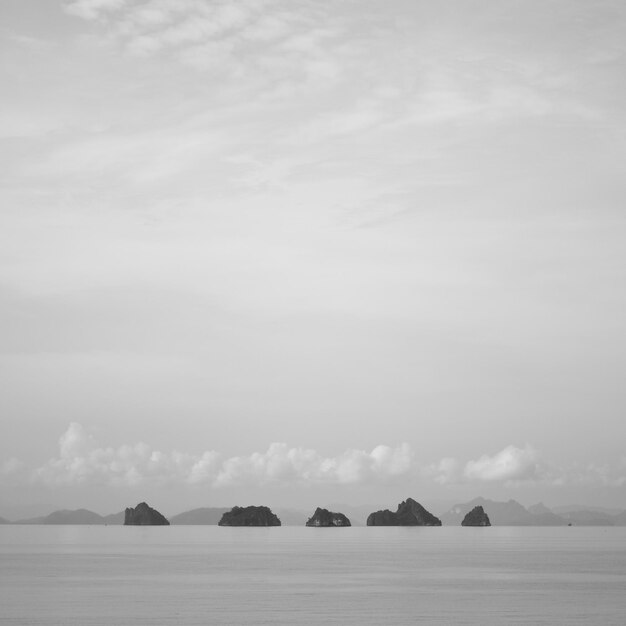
(187, 575)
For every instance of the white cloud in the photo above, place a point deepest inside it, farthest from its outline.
(81, 460)
(300, 465)
(75, 442)
(510, 464)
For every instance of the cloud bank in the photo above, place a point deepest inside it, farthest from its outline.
(82, 460)
(510, 466)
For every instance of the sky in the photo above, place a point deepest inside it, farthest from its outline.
(295, 252)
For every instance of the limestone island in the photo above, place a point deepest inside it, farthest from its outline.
(249, 516)
(143, 515)
(476, 517)
(409, 513)
(323, 518)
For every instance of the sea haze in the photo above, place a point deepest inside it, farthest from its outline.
(192, 575)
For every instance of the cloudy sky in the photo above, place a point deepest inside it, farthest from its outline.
(302, 251)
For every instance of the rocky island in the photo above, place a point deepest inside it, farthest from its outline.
(476, 517)
(409, 513)
(323, 518)
(249, 516)
(143, 515)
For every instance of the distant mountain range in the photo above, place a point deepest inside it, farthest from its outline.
(510, 513)
(198, 517)
(205, 516)
(77, 517)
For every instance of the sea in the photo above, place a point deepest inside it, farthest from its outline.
(199, 575)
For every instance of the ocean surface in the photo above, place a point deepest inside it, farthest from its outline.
(188, 575)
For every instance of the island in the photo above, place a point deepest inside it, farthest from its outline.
(409, 513)
(249, 516)
(476, 517)
(323, 518)
(144, 515)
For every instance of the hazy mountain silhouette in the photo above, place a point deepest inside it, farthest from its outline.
(114, 518)
(292, 517)
(545, 516)
(79, 516)
(204, 516)
(75, 517)
(510, 513)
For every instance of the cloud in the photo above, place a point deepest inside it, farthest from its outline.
(92, 9)
(514, 466)
(82, 461)
(75, 442)
(444, 472)
(284, 464)
(264, 44)
(510, 464)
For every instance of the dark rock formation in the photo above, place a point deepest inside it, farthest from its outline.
(382, 518)
(325, 518)
(249, 516)
(412, 513)
(143, 515)
(476, 517)
(409, 513)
